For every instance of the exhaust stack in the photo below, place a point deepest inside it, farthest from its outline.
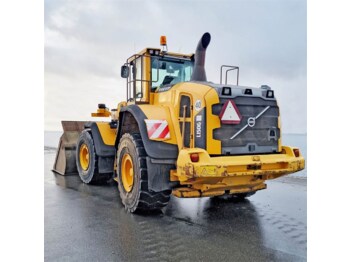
(199, 59)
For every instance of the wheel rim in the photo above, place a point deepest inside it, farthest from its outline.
(84, 157)
(127, 172)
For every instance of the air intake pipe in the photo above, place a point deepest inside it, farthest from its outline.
(199, 59)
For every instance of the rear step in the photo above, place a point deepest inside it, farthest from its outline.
(65, 157)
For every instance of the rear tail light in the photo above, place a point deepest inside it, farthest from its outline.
(194, 157)
(296, 152)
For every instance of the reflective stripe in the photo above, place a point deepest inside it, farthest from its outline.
(157, 129)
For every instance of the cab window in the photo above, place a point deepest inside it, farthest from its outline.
(170, 71)
(136, 69)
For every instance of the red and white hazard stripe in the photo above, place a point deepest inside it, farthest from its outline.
(157, 129)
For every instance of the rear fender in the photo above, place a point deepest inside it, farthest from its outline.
(161, 155)
(154, 149)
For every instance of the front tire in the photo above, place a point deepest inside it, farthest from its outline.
(87, 160)
(133, 178)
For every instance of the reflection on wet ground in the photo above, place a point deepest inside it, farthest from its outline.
(85, 222)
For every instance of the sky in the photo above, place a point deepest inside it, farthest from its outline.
(86, 42)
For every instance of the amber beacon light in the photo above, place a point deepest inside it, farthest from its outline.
(163, 40)
(163, 43)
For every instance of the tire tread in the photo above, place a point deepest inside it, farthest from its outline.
(148, 200)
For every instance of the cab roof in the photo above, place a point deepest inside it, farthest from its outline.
(161, 53)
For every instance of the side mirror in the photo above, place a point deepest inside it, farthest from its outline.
(125, 71)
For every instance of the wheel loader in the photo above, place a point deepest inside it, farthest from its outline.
(178, 133)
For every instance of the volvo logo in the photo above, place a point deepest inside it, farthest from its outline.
(251, 121)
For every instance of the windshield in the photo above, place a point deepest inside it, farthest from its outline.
(166, 71)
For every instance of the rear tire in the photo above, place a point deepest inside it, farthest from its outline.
(87, 160)
(134, 193)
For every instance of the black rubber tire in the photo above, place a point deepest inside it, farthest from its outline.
(90, 175)
(139, 198)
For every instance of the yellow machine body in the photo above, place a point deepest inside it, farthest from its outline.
(213, 174)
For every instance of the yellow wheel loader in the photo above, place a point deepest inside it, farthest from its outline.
(179, 134)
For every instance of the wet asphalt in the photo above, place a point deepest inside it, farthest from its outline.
(89, 223)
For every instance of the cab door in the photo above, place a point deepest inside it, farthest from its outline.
(138, 82)
(185, 115)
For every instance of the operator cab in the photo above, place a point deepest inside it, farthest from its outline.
(153, 70)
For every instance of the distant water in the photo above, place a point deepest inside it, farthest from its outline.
(51, 139)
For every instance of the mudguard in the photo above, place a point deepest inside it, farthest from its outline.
(161, 156)
(105, 153)
(154, 149)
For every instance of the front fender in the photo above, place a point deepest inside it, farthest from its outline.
(154, 149)
(103, 141)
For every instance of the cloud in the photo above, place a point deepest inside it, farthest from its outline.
(86, 42)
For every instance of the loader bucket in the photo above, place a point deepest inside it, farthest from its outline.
(65, 156)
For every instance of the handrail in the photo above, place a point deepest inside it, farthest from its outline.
(131, 83)
(229, 68)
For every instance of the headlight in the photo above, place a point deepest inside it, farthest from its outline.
(114, 114)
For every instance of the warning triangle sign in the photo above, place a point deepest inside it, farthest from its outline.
(230, 114)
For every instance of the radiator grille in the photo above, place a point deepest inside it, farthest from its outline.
(261, 138)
